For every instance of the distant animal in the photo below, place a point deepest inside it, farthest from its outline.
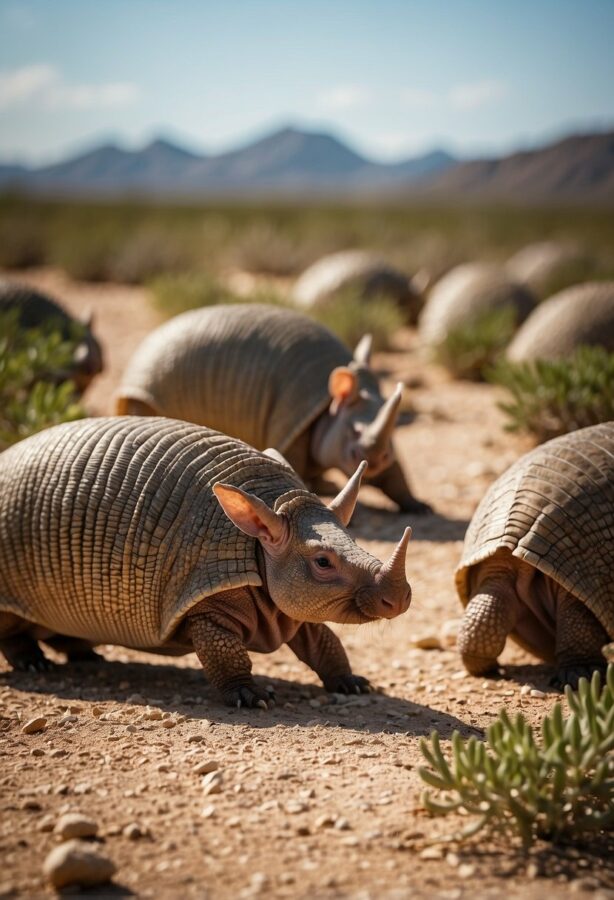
(274, 378)
(546, 266)
(363, 273)
(466, 293)
(36, 310)
(539, 556)
(168, 537)
(582, 315)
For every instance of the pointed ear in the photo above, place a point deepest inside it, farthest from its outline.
(251, 515)
(362, 353)
(342, 386)
(272, 453)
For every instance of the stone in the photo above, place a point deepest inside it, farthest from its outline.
(32, 726)
(75, 862)
(75, 825)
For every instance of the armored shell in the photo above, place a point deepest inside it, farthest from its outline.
(360, 271)
(254, 371)
(110, 531)
(467, 292)
(580, 315)
(554, 509)
(545, 266)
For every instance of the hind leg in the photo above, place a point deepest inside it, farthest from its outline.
(76, 649)
(19, 648)
(579, 639)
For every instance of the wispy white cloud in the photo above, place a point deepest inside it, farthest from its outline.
(419, 98)
(476, 94)
(43, 86)
(343, 97)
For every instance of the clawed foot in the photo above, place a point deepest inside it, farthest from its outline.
(250, 696)
(24, 655)
(348, 684)
(571, 675)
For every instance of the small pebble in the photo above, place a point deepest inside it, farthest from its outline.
(208, 812)
(133, 832)
(539, 694)
(206, 766)
(75, 862)
(212, 783)
(32, 726)
(427, 642)
(75, 825)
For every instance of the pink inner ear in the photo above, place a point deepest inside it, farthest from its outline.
(342, 385)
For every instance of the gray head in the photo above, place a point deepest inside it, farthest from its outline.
(87, 357)
(314, 571)
(358, 424)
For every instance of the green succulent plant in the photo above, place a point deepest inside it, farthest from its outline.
(468, 350)
(30, 396)
(557, 784)
(552, 397)
(350, 316)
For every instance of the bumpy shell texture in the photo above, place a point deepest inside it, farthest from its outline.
(467, 292)
(554, 508)
(110, 531)
(580, 315)
(254, 371)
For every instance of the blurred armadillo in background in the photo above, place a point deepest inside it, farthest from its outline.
(37, 310)
(274, 378)
(164, 536)
(465, 294)
(365, 275)
(579, 316)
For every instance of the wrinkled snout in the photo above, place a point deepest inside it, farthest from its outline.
(390, 594)
(378, 458)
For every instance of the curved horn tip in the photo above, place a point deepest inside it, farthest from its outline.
(360, 471)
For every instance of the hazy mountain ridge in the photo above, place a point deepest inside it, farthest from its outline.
(295, 162)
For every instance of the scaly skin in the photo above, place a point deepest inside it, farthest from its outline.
(488, 619)
(579, 639)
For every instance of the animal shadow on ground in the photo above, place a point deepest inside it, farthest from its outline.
(184, 690)
(371, 524)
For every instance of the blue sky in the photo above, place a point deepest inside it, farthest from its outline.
(393, 77)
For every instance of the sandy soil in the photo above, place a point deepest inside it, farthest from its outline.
(318, 798)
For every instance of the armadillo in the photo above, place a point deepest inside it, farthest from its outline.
(547, 266)
(582, 315)
(165, 536)
(274, 378)
(36, 310)
(539, 556)
(466, 293)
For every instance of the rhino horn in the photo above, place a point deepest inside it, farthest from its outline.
(394, 570)
(379, 432)
(362, 353)
(87, 319)
(345, 501)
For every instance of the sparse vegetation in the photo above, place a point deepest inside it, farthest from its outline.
(30, 396)
(469, 350)
(87, 238)
(350, 316)
(560, 784)
(552, 397)
(174, 294)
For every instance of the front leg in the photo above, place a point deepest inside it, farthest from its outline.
(579, 639)
(393, 483)
(226, 662)
(320, 648)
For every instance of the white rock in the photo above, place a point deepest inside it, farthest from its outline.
(75, 862)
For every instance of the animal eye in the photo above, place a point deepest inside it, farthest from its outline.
(322, 562)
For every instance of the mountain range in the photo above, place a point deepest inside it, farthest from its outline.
(292, 162)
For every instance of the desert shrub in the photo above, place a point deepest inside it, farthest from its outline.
(468, 350)
(268, 250)
(350, 316)
(147, 252)
(174, 294)
(22, 242)
(30, 398)
(560, 784)
(86, 254)
(552, 397)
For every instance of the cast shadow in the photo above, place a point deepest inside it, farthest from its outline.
(375, 524)
(185, 691)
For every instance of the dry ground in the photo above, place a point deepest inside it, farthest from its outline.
(318, 798)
